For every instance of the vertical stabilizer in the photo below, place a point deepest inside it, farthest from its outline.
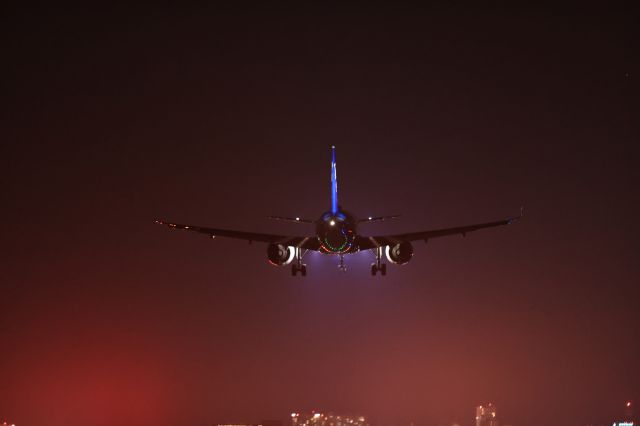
(334, 182)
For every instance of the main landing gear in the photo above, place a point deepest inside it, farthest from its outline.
(298, 266)
(378, 265)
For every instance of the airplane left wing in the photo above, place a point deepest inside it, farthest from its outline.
(366, 243)
(310, 242)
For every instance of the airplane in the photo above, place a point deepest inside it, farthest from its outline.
(336, 233)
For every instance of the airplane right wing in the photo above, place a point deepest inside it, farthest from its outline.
(366, 243)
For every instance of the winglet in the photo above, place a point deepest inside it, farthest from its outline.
(513, 219)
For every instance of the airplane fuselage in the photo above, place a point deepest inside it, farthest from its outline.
(336, 232)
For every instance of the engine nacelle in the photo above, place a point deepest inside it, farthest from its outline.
(400, 253)
(280, 255)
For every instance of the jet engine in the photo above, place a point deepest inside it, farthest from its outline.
(400, 253)
(280, 255)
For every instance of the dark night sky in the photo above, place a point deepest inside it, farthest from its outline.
(221, 116)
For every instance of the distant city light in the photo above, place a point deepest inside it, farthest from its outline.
(486, 415)
(628, 403)
(326, 419)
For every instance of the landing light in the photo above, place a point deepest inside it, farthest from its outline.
(333, 222)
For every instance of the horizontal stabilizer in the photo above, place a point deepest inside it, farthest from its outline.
(378, 218)
(290, 219)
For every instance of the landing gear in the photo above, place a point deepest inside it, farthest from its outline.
(378, 265)
(341, 265)
(375, 268)
(298, 266)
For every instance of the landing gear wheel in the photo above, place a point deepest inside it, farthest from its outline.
(374, 269)
(294, 270)
(341, 265)
(303, 270)
(383, 269)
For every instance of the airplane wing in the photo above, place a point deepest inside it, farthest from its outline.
(366, 243)
(310, 242)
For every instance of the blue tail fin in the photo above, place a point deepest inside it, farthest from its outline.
(334, 182)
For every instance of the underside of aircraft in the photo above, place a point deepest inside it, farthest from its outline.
(336, 233)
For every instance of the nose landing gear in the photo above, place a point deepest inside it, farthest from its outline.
(378, 265)
(341, 265)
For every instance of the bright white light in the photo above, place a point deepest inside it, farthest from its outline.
(333, 222)
(316, 415)
(370, 218)
(297, 218)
